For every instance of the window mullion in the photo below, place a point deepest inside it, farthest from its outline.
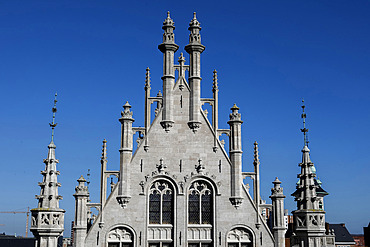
(200, 208)
(160, 208)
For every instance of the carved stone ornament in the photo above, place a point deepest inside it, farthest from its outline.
(194, 125)
(119, 234)
(236, 201)
(239, 235)
(166, 125)
(123, 201)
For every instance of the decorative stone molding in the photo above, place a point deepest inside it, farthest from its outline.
(160, 232)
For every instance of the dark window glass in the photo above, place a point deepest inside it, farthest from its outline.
(161, 203)
(167, 207)
(154, 208)
(113, 244)
(194, 214)
(206, 208)
(200, 203)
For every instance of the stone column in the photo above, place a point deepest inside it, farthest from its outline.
(80, 225)
(278, 224)
(194, 48)
(168, 47)
(235, 152)
(125, 155)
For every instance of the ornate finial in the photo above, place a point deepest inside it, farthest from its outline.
(256, 160)
(194, 28)
(159, 94)
(304, 130)
(53, 124)
(235, 116)
(147, 78)
(215, 80)
(168, 21)
(194, 22)
(126, 113)
(277, 191)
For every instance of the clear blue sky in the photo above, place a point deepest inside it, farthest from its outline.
(269, 55)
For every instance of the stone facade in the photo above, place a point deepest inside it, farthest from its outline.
(180, 187)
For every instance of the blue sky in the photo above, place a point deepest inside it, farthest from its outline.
(269, 55)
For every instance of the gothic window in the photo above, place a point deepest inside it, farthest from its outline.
(200, 203)
(120, 237)
(239, 237)
(161, 203)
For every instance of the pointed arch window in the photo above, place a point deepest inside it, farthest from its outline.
(239, 237)
(120, 237)
(161, 203)
(200, 203)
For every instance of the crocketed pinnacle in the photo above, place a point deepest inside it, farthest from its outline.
(147, 78)
(256, 159)
(215, 80)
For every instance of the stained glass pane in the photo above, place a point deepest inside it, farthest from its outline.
(167, 208)
(194, 213)
(193, 245)
(206, 245)
(207, 209)
(154, 208)
(232, 245)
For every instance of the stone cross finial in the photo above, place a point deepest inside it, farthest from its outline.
(181, 62)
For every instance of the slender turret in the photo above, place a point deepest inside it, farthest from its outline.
(80, 223)
(168, 47)
(48, 219)
(125, 155)
(194, 48)
(235, 152)
(278, 223)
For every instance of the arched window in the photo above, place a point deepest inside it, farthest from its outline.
(239, 237)
(200, 203)
(161, 203)
(120, 237)
(200, 214)
(161, 214)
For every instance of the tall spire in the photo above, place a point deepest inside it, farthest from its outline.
(53, 124)
(48, 218)
(309, 218)
(304, 130)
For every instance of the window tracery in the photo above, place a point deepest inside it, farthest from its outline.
(239, 237)
(200, 203)
(161, 203)
(120, 237)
